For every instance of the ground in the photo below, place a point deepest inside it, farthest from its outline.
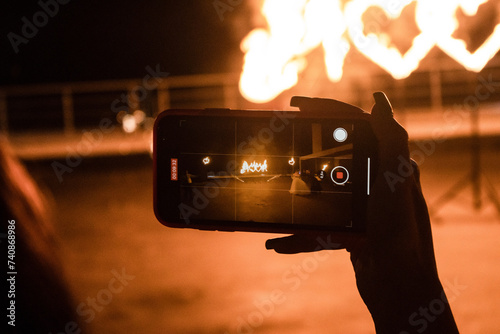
(187, 281)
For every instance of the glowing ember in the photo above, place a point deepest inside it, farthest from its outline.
(274, 57)
(254, 167)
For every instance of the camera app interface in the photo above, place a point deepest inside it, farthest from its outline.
(272, 170)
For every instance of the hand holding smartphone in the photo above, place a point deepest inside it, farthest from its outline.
(265, 171)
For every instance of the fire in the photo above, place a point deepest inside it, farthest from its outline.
(377, 48)
(254, 167)
(441, 17)
(274, 57)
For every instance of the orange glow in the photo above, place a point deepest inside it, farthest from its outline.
(254, 167)
(377, 47)
(439, 18)
(129, 123)
(274, 57)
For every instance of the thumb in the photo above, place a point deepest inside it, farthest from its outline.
(300, 243)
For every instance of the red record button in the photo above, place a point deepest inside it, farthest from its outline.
(339, 175)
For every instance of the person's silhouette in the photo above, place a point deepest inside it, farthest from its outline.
(394, 261)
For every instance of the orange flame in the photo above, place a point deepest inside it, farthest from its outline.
(274, 57)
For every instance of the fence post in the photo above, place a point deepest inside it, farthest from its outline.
(68, 111)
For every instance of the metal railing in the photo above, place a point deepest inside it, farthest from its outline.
(63, 105)
(66, 109)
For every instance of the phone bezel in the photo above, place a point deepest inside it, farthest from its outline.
(367, 147)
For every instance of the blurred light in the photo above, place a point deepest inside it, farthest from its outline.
(120, 115)
(139, 116)
(206, 160)
(324, 167)
(291, 162)
(275, 57)
(129, 124)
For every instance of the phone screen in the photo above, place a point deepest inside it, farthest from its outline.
(268, 170)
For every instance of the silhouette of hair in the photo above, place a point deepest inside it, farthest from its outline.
(42, 297)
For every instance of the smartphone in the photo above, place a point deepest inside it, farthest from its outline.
(263, 171)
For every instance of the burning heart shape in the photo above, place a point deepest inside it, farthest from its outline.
(275, 57)
(389, 58)
(457, 48)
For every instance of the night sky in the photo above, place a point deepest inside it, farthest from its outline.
(95, 40)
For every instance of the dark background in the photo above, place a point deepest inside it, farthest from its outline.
(94, 40)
